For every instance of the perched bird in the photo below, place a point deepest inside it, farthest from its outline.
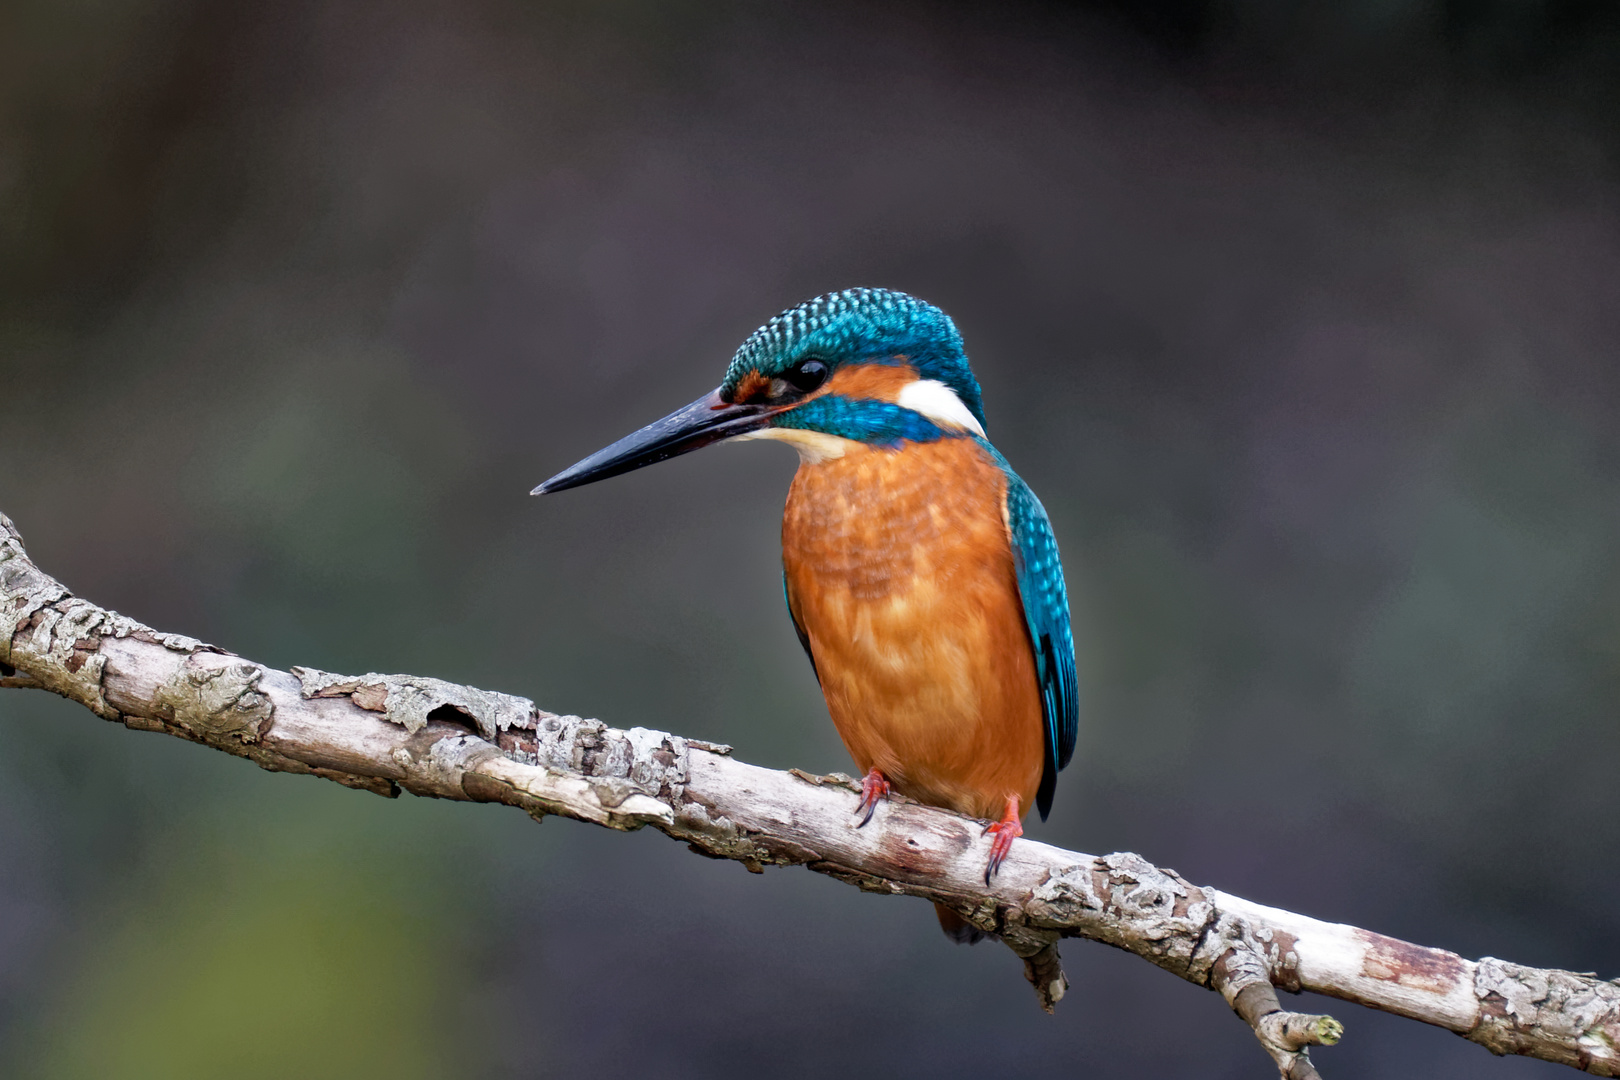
(921, 573)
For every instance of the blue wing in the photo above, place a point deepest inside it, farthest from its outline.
(1046, 612)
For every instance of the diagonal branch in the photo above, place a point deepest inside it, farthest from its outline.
(434, 738)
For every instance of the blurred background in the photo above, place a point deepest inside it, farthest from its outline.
(1302, 320)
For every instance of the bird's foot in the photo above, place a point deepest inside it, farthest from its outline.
(874, 789)
(1008, 829)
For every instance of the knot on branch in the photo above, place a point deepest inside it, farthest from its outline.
(1246, 965)
(217, 697)
(1236, 953)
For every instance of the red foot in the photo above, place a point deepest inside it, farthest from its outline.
(1007, 829)
(874, 789)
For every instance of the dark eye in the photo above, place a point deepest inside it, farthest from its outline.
(807, 374)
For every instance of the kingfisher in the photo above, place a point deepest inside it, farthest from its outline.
(920, 572)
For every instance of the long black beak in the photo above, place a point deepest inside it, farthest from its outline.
(707, 420)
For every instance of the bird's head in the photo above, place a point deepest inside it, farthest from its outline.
(865, 366)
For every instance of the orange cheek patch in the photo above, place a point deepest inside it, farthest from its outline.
(871, 382)
(751, 387)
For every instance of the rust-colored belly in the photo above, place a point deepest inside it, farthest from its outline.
(900, 571)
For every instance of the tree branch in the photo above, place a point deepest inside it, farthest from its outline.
(434, 738)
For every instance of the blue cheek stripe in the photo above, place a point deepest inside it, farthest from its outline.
(881, 423)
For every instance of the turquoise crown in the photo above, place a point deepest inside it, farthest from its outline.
(861, 326)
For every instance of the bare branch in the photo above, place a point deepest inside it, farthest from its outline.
(434, 738)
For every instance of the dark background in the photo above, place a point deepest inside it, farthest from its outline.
(1301, 319)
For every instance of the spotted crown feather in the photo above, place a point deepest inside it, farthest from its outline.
(864, 326)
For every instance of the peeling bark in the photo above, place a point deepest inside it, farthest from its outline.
(434, 738)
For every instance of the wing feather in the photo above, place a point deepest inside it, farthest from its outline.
(1046, 613)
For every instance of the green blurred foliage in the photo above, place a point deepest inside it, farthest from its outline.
(260, 961)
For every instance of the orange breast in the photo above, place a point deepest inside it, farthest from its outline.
(900, 571)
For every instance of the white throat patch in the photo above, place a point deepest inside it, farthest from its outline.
(814, 447)
(940, 404)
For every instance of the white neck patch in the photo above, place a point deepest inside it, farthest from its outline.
(939, 403)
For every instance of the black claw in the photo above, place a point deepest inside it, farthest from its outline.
(871, 808)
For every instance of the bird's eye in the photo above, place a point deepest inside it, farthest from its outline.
(807, 374)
